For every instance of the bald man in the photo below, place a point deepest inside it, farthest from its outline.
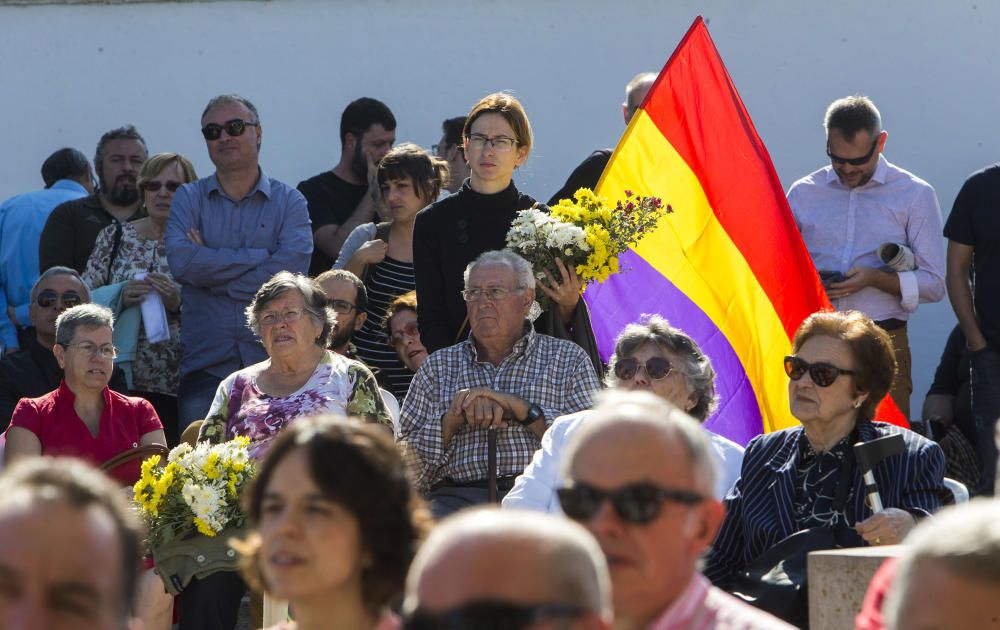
(484, 568)
(639, 478)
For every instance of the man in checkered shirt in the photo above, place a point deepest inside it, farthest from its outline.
(504, 377)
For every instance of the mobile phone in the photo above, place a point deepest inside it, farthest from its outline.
(827, 276)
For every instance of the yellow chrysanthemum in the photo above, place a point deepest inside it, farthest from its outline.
(203, 527)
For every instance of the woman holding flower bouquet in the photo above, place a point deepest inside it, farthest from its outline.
(336, 525)
(451, 233)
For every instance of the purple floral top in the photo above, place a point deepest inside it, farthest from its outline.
(338, 385)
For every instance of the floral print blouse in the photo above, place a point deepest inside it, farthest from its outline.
(156, 367)
(338, 385)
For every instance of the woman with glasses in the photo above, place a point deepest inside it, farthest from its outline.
(336, 524)
(83, 417)
(134, 255)
(806, 477)
(381, 255)
(652, 356)
(403, 332)
(454, 231)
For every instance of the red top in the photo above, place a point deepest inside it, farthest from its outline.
(61, 431)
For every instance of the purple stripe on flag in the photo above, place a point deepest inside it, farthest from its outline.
(642, 289)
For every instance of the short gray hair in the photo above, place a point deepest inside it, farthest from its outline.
(578, 570)
(699, 375)
(232, 98)
(644, 409)
(82, 316)
(59, 271)
(315, 302)
(962, 539)
(504, 258)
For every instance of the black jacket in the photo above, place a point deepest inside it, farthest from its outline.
(71, 231)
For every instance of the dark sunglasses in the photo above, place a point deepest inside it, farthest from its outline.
(822, 374)
(156, 186)
(656, 368)
(409, 329)
(858, 161)
(48, 299)
(234, 127)
(636, 503)
(488, 615)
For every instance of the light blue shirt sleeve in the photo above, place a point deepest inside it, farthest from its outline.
(358, 237)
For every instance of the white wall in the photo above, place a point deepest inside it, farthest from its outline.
(68, 73)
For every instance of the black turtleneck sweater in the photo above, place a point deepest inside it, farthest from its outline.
(447, 236)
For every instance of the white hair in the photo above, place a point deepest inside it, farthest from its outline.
(505, 258)
(577, 567)
(962, 539)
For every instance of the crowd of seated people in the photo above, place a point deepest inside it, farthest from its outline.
(369, 334)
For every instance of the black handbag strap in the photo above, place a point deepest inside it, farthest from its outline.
(115, 246)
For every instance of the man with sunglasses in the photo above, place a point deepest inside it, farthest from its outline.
(639, 478)
(33, 371)
(72, 228)
(846, 211)
(505, 379)
(347, 195)
(67, 176)
(228, 234)
(490, 570)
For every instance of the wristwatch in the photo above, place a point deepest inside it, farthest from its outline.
(535, 413)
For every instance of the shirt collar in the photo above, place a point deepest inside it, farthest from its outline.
(521, 346)
(68, 184)
(263, 185)
(879, 176)
(681, 612)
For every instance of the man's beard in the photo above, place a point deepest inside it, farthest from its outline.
(123, 193)
(342, 334)
(359, 164)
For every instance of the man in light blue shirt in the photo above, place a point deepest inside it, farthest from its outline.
(227, 234)
(852, 211)
(67, 176)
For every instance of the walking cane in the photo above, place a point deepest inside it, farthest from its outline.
(868, 456)
(491, 461)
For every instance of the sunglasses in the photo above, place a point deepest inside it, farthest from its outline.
(234, 127)
(410, 329)
(822, 374)
(156, 186)
(656, 368)
(48, 299)
(636, 503)
(858, 161)
(488, 615)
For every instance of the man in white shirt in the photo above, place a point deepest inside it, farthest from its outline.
(859, 211)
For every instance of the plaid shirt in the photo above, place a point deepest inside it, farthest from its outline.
(552, 373)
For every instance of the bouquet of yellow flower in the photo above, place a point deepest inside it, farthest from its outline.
(585, 232)
(198, 491)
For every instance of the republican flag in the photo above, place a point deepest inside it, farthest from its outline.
(728, 266)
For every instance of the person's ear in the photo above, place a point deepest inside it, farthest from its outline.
(60, 353)
(359, 321)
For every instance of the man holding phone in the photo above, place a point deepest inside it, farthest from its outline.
(848, 210)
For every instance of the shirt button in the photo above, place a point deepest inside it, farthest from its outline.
(200, 559)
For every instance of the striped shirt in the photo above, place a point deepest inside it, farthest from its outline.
(386, 281)
(553, 373)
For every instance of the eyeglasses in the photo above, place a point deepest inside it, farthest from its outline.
(489, 615)
(291, 315)
(410, 329)
(234, 128)
(636, 503)
(656, 368)
(156, 186)
(501, 144)
(858, 161)
(48, 299)
(492, 293)
(105, 351)
(822, 374)
(342, 307)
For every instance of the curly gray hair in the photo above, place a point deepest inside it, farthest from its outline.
(695, 366)
(315, 302)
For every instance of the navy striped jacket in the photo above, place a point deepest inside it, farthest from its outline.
(759, 507)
